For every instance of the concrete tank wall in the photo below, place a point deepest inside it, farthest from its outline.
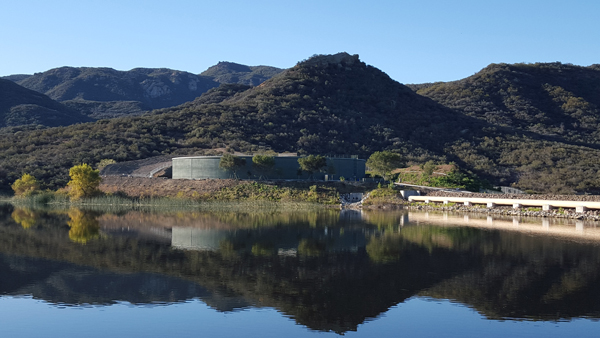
(207, 167)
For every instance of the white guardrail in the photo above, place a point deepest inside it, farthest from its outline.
(580, 206)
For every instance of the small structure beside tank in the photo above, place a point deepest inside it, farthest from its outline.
(407, 193)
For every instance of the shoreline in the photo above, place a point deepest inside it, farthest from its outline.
(590, 215)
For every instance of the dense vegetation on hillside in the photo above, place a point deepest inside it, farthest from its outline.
(552, 99)
(108, 109)
(331, 107)
(229, 72)
(338, 105)
(20, 106)
(553, 106)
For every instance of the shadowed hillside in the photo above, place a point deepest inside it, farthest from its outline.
(21, 106)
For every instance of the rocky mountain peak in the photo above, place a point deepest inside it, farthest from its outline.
(338, 58)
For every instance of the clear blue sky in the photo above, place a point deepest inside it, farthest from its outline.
(412, 41)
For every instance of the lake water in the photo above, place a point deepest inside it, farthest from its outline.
(259, 273)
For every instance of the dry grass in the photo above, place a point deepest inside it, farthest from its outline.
(162, 187)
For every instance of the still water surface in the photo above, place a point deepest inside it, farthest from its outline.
(295, 274)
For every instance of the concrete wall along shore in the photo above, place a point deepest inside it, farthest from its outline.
(516, 203)
(286, 167)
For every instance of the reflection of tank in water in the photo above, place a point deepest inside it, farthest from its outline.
(351, 215)
(280, 240)
(198, 239)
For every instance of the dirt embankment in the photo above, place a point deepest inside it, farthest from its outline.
(163, 187)
(578, 198)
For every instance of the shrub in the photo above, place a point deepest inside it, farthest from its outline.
(312, 163)
(232, 163)
(383, 162)
(25, 186)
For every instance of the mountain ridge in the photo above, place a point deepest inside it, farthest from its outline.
(336, 104)
(102, 92)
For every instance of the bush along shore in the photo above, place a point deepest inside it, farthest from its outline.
(142, 192)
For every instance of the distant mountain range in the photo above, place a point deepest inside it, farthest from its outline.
(532, 125)
(106, 93)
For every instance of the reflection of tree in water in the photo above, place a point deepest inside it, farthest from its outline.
(26, 217)
(389, 246)
(453, 238)
(228, 249)
(382, 220)
(261, 218)
(84, 226)
(263, 249)
(311, 247)
(386, 248)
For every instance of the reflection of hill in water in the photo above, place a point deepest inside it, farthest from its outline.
(501, 274)
(68, 284)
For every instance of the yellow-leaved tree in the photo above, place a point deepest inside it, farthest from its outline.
(25, 186)
(26, 217)
(84, 181)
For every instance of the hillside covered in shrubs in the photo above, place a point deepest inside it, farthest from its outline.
(336, 104)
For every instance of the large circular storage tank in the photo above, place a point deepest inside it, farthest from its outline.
(286, 167)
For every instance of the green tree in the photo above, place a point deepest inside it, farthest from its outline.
(429, 167)
(84, 181)
(232, 163)
(263, 164)
(104, 162)
(383, 162)
(25, 186)
(312, 163)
